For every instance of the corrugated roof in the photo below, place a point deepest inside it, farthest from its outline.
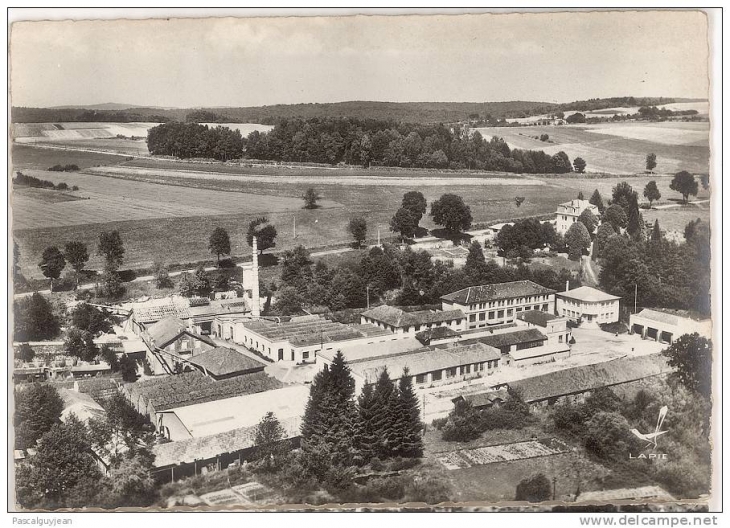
(662, 317)
(426, 360)
(222, 361)
(536, 317)
(511, 338)
(587, 294)
(491, 292)
(364, 352)
(208, 447)
(400, 319)
(589, 377)
(189, 388)
(81, 405)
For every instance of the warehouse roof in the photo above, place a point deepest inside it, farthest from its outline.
(511, 338)
(311, 330)
(588, 377)
(81, 405)
(537, 317)
(587, 294)
(209, 418)
(365, 352)
(189, 388)
(425, 360)
(222, 361)
(398, 318)
(491, 292)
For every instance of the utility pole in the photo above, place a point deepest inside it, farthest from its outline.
(636, 291)
(367, 290)
(378, 237)
(295, 227)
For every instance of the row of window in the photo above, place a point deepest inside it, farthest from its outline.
(509, 302)
(463, 370)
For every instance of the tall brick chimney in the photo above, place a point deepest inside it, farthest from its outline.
(255, 298)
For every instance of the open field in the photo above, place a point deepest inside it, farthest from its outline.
(28, 157)
(165, 211)
(619, 148)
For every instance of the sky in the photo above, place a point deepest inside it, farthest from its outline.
(552, 57)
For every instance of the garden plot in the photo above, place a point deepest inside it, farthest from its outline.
(502, 453)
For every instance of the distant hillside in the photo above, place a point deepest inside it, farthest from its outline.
(102, 106)
(416, 113)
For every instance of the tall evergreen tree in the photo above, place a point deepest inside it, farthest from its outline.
(366, 437)
(635, 227)
(386, 421)
(409, 418)
(475, 260)
(656, 233)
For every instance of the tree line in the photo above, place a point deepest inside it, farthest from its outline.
(191, 140)
(32, 181)
(369, 142)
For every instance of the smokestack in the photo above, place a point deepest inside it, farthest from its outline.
(567, 285)
(255, 300)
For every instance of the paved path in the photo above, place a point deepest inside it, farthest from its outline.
(669, 206)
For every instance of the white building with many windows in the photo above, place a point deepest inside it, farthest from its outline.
(569, 212)
(587, 304)
(494, 304)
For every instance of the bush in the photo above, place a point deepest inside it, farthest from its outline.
(427, 489)
(534, 489)
(439, 423)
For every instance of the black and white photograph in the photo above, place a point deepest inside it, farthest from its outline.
(364, 260)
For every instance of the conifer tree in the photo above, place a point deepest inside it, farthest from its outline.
(366, 437)
(656, 233)
(475, 260)
(636, 224)
(409, 418)
(385, 409)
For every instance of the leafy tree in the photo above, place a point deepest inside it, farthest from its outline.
(111, 283)
(534, 489)
(462, 423)
(310, 198)
(580, 165)
(80, 344)
(288, 301)
(91, 319)
(588, 219)
(451, 212)
(685, 184)
(650, 162)
(61, 464)
(604, 232)
(52, 263)
(296, 267)
(112, 248)
(77, 255)
(37, 407)
(34, 319)
(24, 353)
(131, 483)
(415, 202)
(519, 200)
(656, 233)
(580, 195)
(651, 192)
(264, 232)
(219, 243)
(475, 260)
(575, 118)
(107, 354)
(268, 441)
(162, 275)
(358, 228)
(561, 163)
(705, 181)
(128, 368)
(409, 427)
(623, 195)
(404, 222)
(597, 201)
(606, 435)
(616, 216)
(577, 239)
(691, 356)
